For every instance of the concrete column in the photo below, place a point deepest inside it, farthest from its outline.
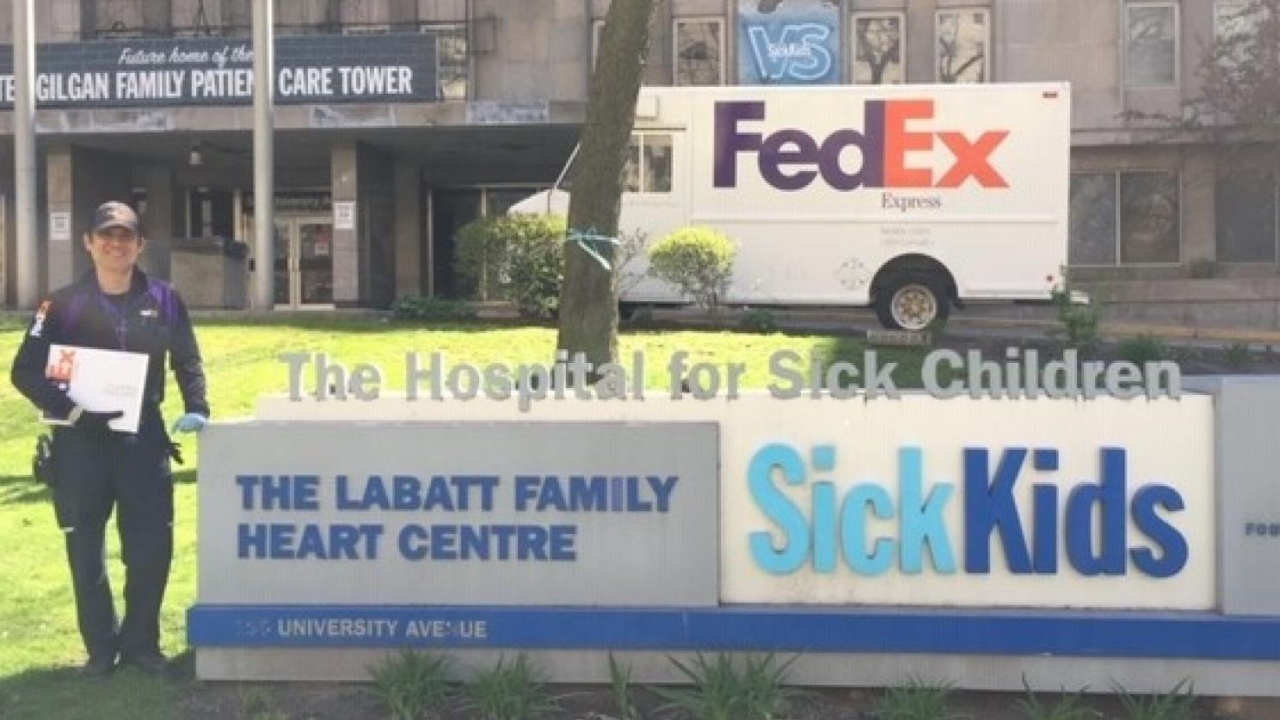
(8, 238)
(409, 239)
(376, 223)
(162, 220)
(921, 42)
(344, 179)
(24, 147)
(61, 257)
(659, 63)
(8, 250)
(88, 18)
(78, 181)
(1198, 210)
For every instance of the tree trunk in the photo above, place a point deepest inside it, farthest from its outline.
(589, 297)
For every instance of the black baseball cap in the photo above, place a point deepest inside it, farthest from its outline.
(115, 215)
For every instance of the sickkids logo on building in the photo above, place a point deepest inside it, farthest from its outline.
(789, 43)
(790, 159)
(796, 52)
(841, 527)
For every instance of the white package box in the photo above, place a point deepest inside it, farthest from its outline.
(101, 381)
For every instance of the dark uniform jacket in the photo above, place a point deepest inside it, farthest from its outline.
(150, 319)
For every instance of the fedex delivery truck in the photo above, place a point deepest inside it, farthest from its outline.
(909, 198)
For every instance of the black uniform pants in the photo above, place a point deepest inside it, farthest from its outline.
(96, 473)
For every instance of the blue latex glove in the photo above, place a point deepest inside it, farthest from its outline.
(190, 423)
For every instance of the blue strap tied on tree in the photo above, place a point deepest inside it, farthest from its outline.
(590, 241)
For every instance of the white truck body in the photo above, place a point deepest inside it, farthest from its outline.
(826, 190)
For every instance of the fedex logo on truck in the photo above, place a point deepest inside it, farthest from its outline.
(791, 159)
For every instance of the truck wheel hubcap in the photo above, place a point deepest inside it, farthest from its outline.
(914, 307)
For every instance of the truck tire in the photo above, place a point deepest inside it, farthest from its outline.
(911, 303)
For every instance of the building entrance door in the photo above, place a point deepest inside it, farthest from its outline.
(304, 262)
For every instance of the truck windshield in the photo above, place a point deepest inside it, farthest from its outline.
(565, 181)
(647, 168)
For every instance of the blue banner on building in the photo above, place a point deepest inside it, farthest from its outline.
(788, 42)
(219, 71)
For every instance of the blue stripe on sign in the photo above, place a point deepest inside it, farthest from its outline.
(755, 628)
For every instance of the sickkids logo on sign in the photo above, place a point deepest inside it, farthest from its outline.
(791, 159)
(835, 532)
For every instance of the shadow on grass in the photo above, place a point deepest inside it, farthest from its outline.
(368, 324)
(61, 692)
(906, 361)
(22, 490)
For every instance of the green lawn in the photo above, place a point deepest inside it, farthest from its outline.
(39, 645)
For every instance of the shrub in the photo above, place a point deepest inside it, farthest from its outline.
(764, 691)
(1238, 355)
(716, 693)
(1143, 349)
(518, 258)
(623, 690)
(759, 320)
(1080, 323)
(721, 692)
(916, 700)
(631, 245)
(416, 307)
(698, 261)
(478, 258)
(509, 692)
(1177, 704)
(534, 265)
(411, 683)
(1069, 706)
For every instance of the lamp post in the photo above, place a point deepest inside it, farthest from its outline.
(263, 155)
(24, 152)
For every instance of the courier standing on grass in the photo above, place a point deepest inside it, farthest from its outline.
(115, 307)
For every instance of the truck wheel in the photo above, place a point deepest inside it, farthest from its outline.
(909, 303)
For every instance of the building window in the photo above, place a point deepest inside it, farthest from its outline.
(452, 62)
(1235, 23)
(1127, 218)
(878, 39)
(1151, 44)
(1233, 19)
(699, 51)
(964, 41)
(1246, 212)
(204, 19)
(648, 168)
(119, 18)
(1092, 219)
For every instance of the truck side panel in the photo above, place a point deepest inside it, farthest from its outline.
(821, 187)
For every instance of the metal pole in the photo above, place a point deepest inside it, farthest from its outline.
(264, 222)
(24, 155)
